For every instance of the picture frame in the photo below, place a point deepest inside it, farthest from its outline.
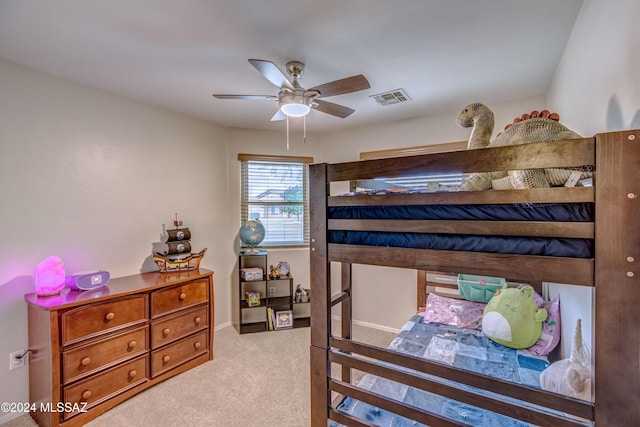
(284, 319)
(283, 269)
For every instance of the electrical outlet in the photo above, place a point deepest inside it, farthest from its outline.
(15, 361)
(272, 291)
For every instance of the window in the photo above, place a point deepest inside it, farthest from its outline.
(417, 182)
(275, 190)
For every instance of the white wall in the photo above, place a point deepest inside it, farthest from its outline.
(596, 86)
(92, 178)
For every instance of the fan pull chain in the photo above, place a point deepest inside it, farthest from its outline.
(287, 133)
(304, 129)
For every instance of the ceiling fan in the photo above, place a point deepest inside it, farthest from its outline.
(293, 99)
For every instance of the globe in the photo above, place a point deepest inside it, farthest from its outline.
(252, 234)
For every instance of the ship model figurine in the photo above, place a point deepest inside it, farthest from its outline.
(177, 254)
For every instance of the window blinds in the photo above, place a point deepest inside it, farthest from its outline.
(275, 190)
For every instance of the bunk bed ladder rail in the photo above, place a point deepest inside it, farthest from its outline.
(320, 275)
(617, 342)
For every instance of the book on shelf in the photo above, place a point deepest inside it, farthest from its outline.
(270, 318)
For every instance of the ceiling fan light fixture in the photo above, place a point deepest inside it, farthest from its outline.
(295, 105)
(296, 101)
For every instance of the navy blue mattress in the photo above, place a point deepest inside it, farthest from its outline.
(559, 247)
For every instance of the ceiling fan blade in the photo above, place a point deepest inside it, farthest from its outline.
(279, 115)
(260, 97)
(333, 109)
(342, 86)
(271, 73)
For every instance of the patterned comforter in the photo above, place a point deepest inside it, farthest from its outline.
(463, 348)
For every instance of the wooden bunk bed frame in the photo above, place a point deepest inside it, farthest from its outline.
(613, 271)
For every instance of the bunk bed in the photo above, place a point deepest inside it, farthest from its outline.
(610, 267)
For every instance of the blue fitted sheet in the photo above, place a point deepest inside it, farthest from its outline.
(560, 247)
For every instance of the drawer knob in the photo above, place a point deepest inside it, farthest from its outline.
(166, 331)
(196, 345)
(85, 361)
(110, 316)
(132, 344)
(166, 358)
(133, 373)
(86, 394)
(183, 296)
(197, 320)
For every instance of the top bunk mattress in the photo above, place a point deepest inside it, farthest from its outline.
(561, 212)
(544, 246)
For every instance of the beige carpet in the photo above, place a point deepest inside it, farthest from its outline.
(259, 380)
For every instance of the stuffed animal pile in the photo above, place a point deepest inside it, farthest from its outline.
(528, 128)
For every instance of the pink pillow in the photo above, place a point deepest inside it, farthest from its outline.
(550, 336)
(454, 312)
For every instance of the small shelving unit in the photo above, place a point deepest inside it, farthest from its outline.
(275, 295)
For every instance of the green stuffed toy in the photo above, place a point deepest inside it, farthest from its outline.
(512, 318)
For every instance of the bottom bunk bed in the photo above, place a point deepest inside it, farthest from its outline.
(399, 381)
(447, 330)
(457, 347)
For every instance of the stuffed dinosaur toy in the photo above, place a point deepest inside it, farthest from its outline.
(529, 128)
(572, 376)
(512, 318)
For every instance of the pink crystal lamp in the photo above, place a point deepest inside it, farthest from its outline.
(49, 276)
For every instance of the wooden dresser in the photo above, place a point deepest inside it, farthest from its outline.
(91, 350)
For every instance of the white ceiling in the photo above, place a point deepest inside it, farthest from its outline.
(177, 53)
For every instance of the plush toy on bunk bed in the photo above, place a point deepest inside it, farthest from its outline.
(512, 318)
(528, 128)
(572, 376)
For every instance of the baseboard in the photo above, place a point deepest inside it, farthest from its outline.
(223, 325)
(10, 416)
(335, 318)
(369, 325)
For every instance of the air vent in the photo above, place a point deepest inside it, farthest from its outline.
(392, 97)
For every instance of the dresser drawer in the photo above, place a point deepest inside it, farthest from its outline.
(178, 297)
(175, 354)
(82, 361)
(98, 318)
(177, 326)
(98, 388)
